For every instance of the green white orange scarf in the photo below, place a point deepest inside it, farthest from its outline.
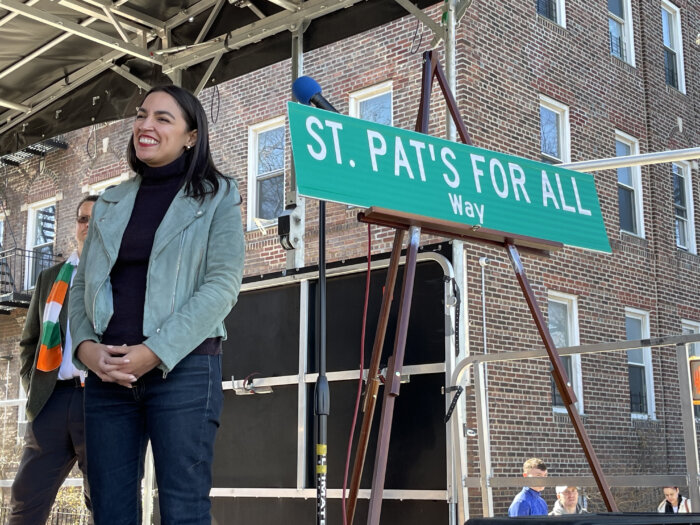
(51, 350)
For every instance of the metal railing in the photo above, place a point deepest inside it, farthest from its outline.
(486, 481)
(58, 516)
(19, 268)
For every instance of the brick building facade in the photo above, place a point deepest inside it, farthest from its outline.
(560, 81)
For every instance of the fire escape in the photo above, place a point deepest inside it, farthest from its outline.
(19, 267)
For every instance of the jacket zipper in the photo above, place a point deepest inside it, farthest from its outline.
(177, 269)
(177, 274)
(94, 300)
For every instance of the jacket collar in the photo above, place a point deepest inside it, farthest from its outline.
(180, 214)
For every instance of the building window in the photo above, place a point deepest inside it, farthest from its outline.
(552, 9)
(641, 378)
(620, 30)
(629, 186)
(673, 45)
(554, 131)
(98, 188)
(265, 172)
(683, 207)
(41, 233)
(563, 326)
(692, 327)
(374, 104)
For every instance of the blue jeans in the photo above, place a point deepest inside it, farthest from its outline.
(180, 415)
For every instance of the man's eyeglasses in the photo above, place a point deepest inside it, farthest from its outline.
(83, 219)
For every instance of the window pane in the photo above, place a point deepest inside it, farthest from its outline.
(41, 259)
(45, 227)
(633, 328)
(666, 21)
(271, 150)
(556, 396)
(549, 132)
(680, 206)
(670, 68)
(625, 198)
(616, 42)
(377, 109)
(679, 188)
(547, 8)
(616, 8)
(635, 356)
(638, 390)
(693, 348)
(270, 197)
(624, 176)
(622, 149)
(681, 233)
(559, 323)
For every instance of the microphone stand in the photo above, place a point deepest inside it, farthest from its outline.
(322, 397)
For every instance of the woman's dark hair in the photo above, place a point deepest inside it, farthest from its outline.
(202, 177)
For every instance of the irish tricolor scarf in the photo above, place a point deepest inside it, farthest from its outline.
(51, 350)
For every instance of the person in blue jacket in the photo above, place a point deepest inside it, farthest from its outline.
(528, 501)
(161, 269)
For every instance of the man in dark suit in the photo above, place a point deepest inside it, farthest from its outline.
(54, 440)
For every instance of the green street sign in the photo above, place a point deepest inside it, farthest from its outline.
(352, 161)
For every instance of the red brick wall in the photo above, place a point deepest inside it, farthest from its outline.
(507, 57)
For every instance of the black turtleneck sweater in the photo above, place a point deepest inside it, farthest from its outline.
(157, 191)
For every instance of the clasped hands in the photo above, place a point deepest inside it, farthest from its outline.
(117, 364)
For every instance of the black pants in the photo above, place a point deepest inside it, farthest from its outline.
(54, 441)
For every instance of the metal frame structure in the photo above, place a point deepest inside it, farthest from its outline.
(486, 480)
(141, 41)
(265, 385)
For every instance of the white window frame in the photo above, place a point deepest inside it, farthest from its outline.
(571, 302)
(636, 172)
(98, 188)
(253, 222)
(677, 48)
(627, 33)
(643, 316)
(31, 227)
(560, 12)
(685, 173)
(357, 97)
(562, 112)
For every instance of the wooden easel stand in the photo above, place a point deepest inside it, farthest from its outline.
(414, 224)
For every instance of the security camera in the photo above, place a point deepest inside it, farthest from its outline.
(484, 261)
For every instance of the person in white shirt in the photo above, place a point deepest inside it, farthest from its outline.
(55, 436)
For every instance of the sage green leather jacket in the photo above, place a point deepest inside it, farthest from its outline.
(194, 273)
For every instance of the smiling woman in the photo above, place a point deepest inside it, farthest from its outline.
(147, 311)
(160, 131)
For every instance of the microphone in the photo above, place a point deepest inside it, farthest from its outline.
(307, 91)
